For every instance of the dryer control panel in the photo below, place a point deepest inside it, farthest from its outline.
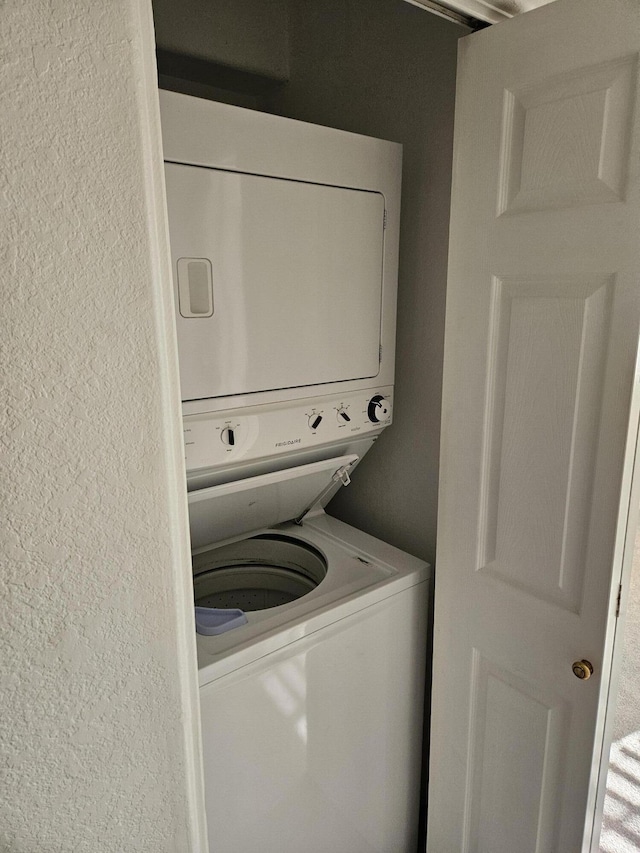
(255, 432)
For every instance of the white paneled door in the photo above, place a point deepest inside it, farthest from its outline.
(539, 424)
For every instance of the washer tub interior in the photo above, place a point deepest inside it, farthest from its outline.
(257, 573)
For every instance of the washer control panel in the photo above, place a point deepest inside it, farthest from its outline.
(221, 438)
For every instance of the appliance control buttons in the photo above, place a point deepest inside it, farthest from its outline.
(216, 439)
(379, 410)
(228, 436)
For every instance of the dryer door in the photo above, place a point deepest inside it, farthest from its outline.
(278, 283)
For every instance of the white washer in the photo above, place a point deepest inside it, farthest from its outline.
(312, 711)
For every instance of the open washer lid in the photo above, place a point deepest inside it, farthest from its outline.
(223, 512)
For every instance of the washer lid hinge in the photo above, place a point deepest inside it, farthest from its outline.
(341, 476)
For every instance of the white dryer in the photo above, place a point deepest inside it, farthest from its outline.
(284, 239)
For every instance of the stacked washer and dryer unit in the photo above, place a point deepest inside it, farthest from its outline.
(284, 240)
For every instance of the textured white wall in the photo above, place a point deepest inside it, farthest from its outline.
(98, 699)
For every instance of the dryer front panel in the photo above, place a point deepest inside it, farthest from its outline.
(278, 283)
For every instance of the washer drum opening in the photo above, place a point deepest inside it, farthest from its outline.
(257, 573)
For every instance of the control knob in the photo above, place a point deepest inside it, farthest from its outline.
(379, 410)
(228, 436)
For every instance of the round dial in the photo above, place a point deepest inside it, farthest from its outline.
(314, 421)
(228, 436)
(379, 411)
(343, 416)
